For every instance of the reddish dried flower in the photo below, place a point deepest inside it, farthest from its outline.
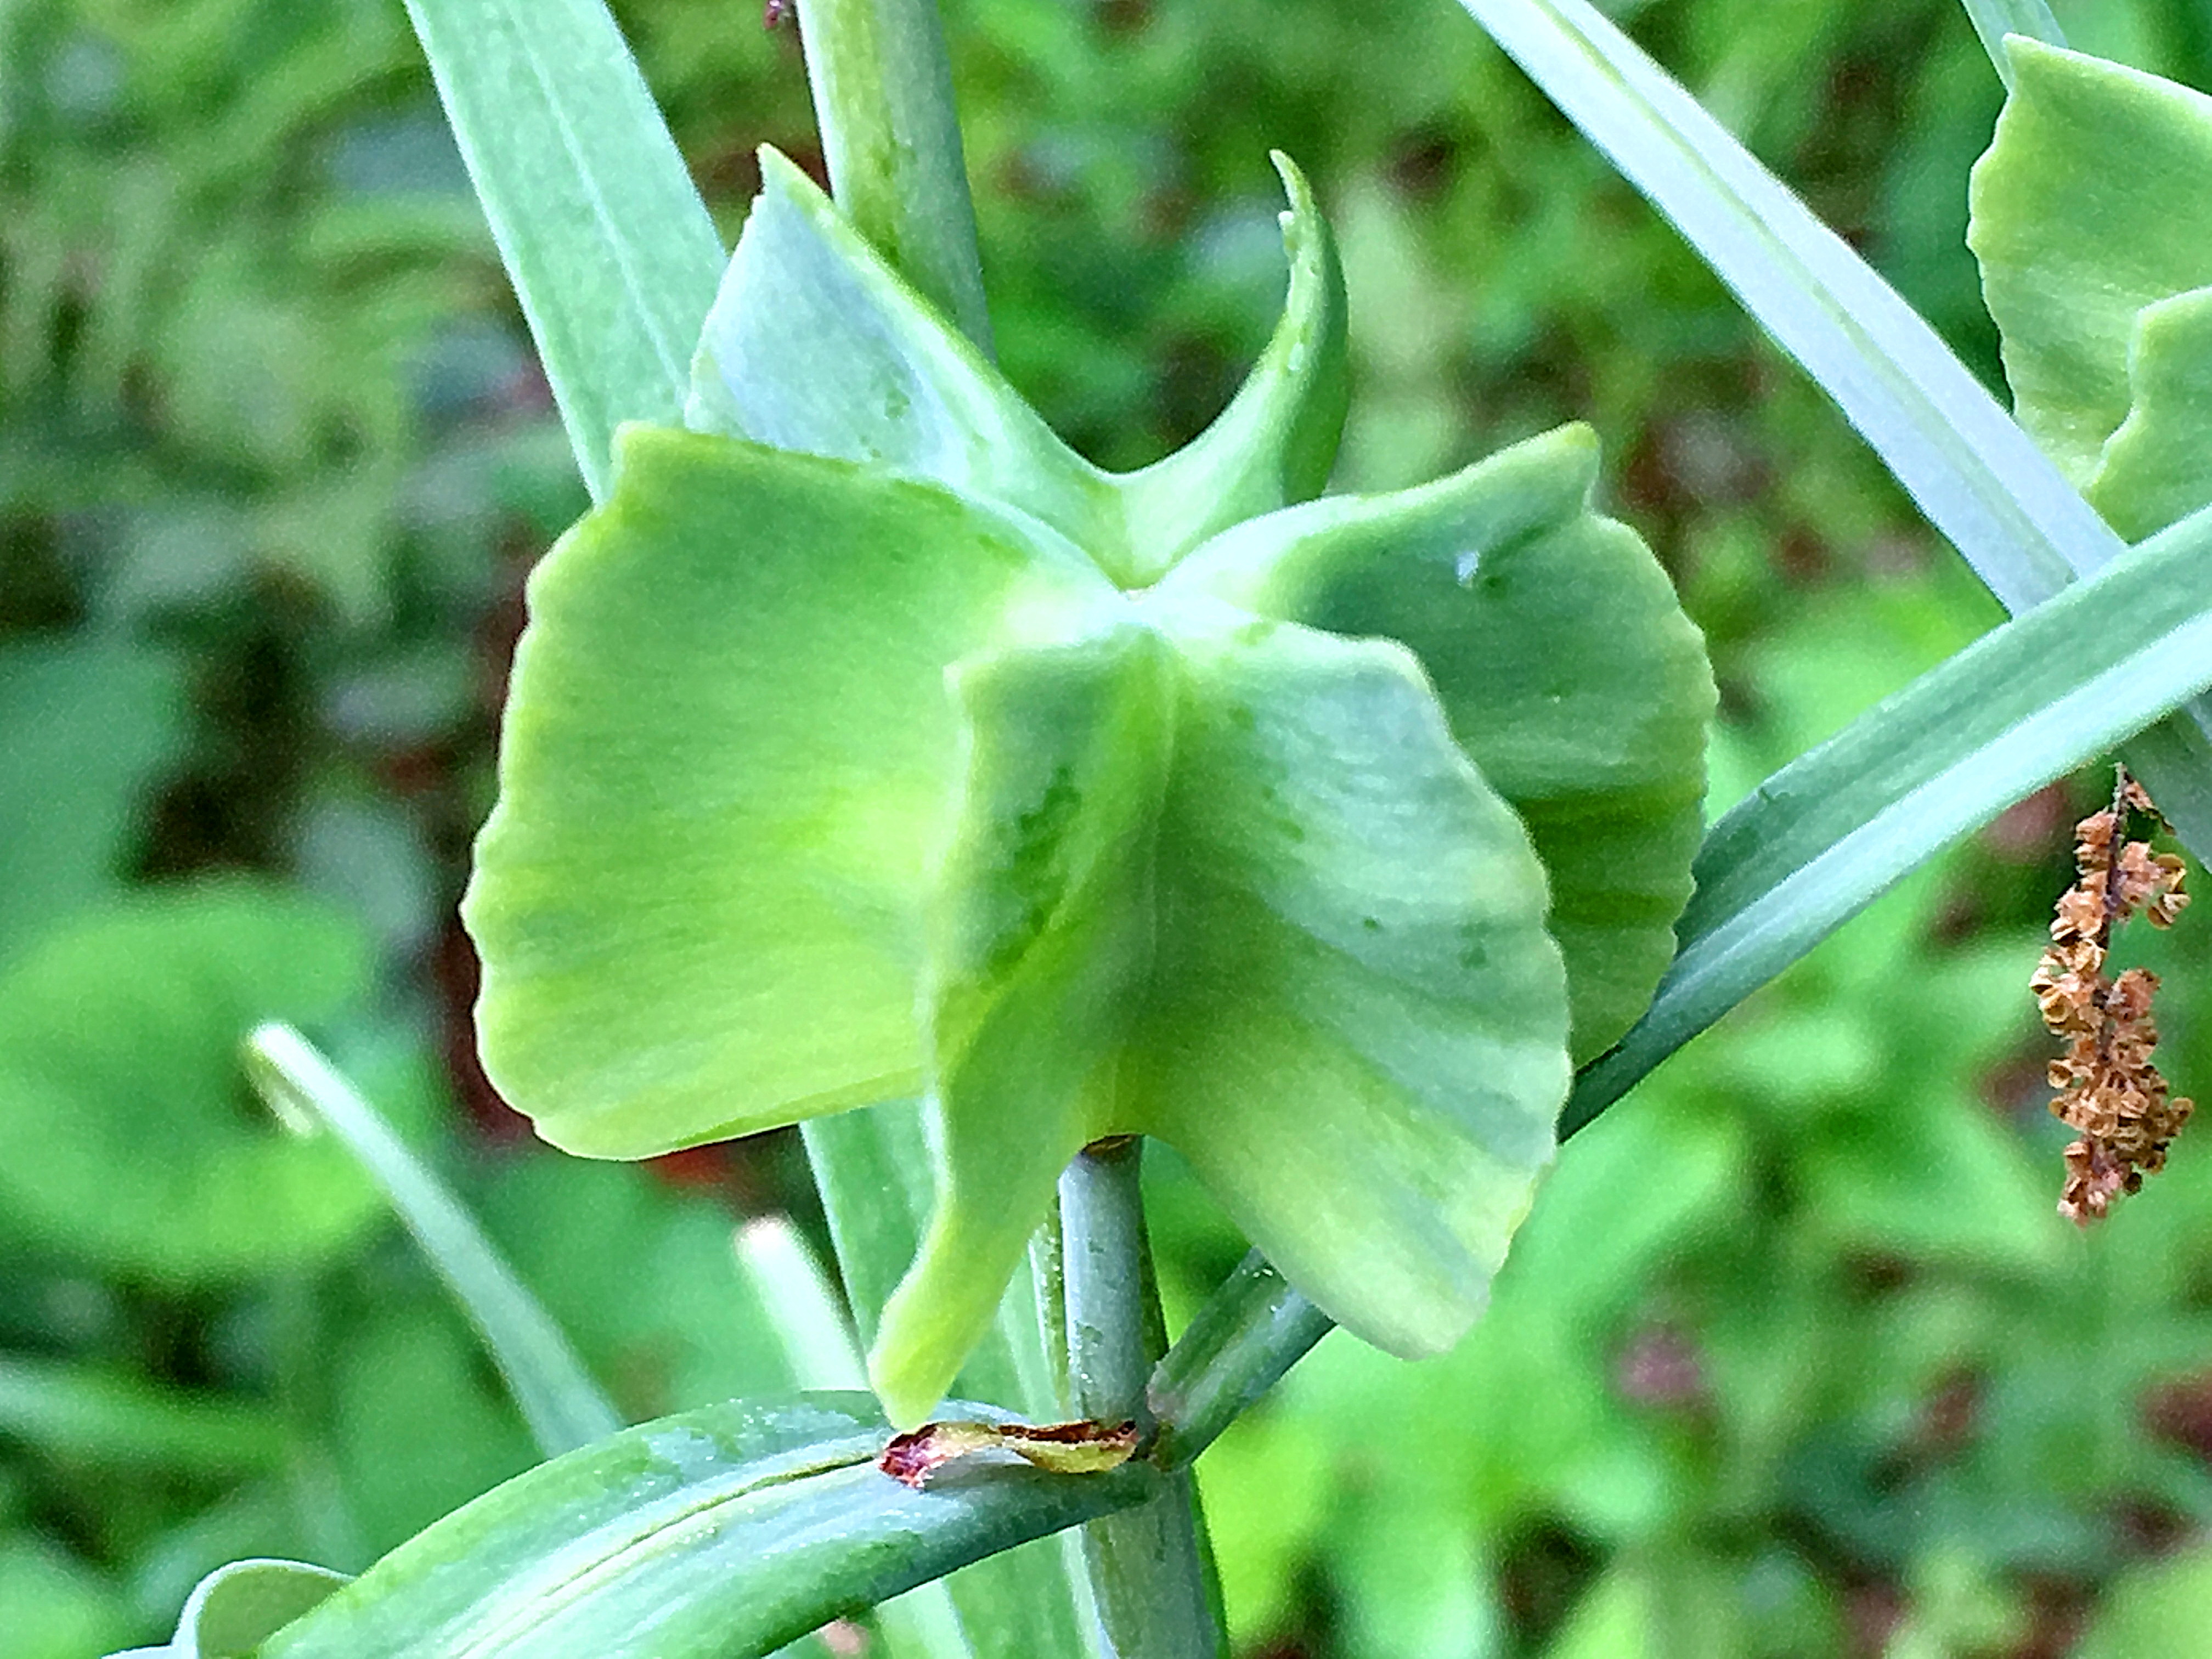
(2108, 1090)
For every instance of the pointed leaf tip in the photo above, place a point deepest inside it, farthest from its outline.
(1276, 443)
(814, 343)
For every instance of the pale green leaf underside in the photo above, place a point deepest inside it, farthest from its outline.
(722, 774)
(815, 344)
(2093, 221)
(1231, 884)
(718, 1534)
(1563, 661)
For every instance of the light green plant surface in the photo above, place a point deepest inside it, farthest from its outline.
(1508, 283)
(1201, 864)
(2109, 358)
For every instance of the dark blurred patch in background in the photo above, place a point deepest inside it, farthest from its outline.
(1793, 1358)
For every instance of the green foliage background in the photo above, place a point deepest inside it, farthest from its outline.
(1793, 1358)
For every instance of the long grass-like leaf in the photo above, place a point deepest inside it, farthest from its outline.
(110, 1420)
(1974, 473)
(609, 247)
(718, 1534)
(563, 1406)
(1977, 475)
(1993, 19)
(2023, 705)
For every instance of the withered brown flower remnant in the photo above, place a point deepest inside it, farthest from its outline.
(1085, 1447)
(2108, 1090)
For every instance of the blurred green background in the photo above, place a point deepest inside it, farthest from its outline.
(1794, 1356)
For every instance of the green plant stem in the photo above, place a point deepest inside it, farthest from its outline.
(1147, 1566)
(883, 96)
(1995, 19)
(1250, 1331)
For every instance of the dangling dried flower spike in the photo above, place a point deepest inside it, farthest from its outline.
(2108, 1090)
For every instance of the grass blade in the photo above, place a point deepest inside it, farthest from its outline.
(1976, 475)
(807, 1319)
(1994, 19)
(712, 1534)
(1978, 478)
(2023, 705)
(804, 1314)
(609, 247)
(113, 1420)
(563, 1406)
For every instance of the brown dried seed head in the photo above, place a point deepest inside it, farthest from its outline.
(2108, 1088)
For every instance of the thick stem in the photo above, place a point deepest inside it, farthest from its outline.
(1147, 1566)
(883, 97)
(1250, 1331)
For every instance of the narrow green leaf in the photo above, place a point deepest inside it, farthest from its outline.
(1976, 475)
(804, 1313)
(1980, 480)
(91, 1414)
(2026, 703)
(878, 1179)
(1993, 19)
(237, 1608)
(563, 1406)
(720, 1533)
(809, 1324)
(609, 247)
